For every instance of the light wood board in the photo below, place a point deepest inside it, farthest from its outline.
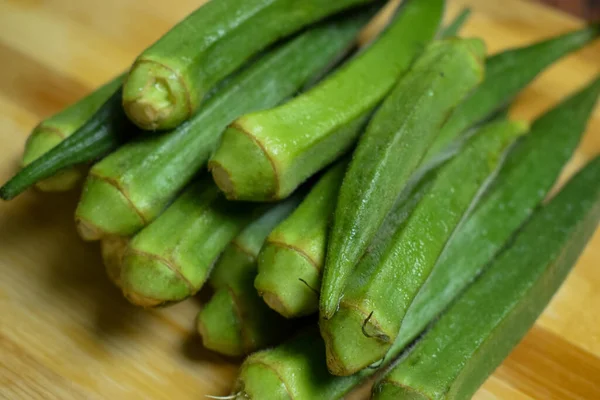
(66, 333)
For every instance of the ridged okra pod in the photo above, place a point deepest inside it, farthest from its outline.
(169, 80)
(102, 133)
(60, 126)
(291, 261)
(530, 170)
(392, 148)
(483, 325)
(131, 187)
(389, 276)
(561, 127)
(235, 321)
(172, 257)
(264, 156)
(506, 74)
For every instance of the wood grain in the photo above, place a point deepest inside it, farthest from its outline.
(66, 333)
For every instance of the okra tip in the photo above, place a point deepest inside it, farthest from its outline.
(156, 96)
(242, 168)
(388, 389)
(113, 248)
(259, 380)
(148, 280)
(104, 210)
(353, 341)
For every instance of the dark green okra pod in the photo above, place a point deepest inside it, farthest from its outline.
(391, 150)
(264, 156)
(60, 126)
(480, 329)
(389, 276)
(530, 170)
(169, 80)
(291, 261)
(106, 130)
(300, 364)
(172, 257)
(236, 321)
(132, 186)
(507, 73)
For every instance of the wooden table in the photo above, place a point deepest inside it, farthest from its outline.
(66, 333)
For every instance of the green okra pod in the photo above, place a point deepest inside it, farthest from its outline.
(456, 25)
(235, 321)
(172, 257)
(113, 249)
(106, 130)
(530, 170)
(391, 150)
(131, 187)
(169, 80)
(264, 156)
(58, 127)
(389, 276)
(539, 155)
(291, 261)
(507, 73)
(475, 334)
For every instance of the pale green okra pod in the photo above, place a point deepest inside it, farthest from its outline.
(265, 155)
(480, 329)
(131, 187)
(291, 261)
(171, 258)
(235, 321)
(389, 276)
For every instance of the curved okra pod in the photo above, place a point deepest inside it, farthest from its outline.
(530, 170)
(235, 321)
(131, 187)
(171, 258)
(113, 249)
(60, 126)
(264, 156)
(389, 276)
(482, 326)
(291, 261)
(169, 80)
(390, 151)
(106, 130)
(506, 74)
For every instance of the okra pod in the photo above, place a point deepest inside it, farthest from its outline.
(482, 326)
(242, 252)
(456, 25)
(553, 136)
(265, 155)
(131, 187)
(169, 80)
(389, 276)
(171, 258)
(530, 170)
(106, 130)
(291, 261)
(113, 249)
(507, 73)
(57, 128)
(391, 150)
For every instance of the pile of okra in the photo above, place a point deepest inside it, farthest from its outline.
(357, 210)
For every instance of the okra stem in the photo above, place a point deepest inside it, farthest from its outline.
(456, 25)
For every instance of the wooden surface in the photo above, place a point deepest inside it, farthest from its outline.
(65, 333)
